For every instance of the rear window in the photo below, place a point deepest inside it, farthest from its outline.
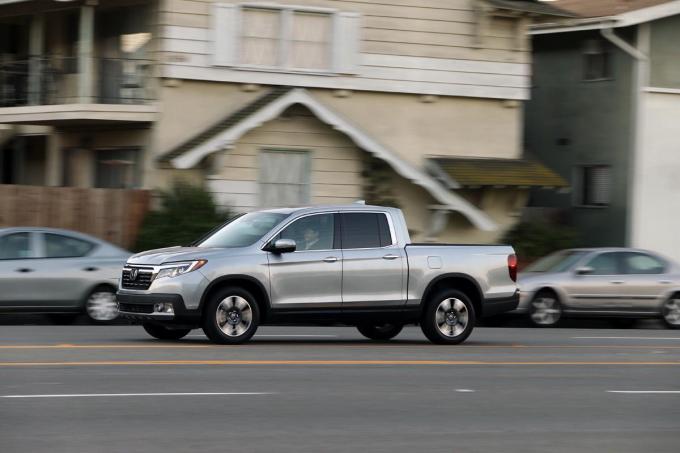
(365, 230)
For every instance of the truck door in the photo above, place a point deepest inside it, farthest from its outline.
(373, 264)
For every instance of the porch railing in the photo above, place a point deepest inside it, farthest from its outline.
(56, 80)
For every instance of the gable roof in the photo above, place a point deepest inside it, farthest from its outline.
(644, 11)
(225, 133)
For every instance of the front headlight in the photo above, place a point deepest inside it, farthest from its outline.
(175, 269)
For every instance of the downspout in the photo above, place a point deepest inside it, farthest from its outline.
(639, 80)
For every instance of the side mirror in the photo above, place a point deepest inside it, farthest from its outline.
(283, 246)
(584, 270)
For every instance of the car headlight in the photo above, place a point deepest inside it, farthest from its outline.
(175, 269)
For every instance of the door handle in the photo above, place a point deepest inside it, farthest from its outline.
(90, 269)
(665, 282)
(390, 257)
(24, 270)
(330, 259)
(618, 282)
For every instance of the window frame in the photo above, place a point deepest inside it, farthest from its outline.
(286, 16)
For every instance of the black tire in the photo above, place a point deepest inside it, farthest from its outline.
(380, 332)
(164, 333)
(226, 320)
(451, 321)
(669, 312)
(542, 309)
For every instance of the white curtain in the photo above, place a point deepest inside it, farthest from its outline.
(284, 178)
(310, 41)
(260, 37)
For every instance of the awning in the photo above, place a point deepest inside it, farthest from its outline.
(478, 172)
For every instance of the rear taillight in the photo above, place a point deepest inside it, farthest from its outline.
(512, 267)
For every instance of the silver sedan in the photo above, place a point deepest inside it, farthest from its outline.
(54, 271)
(612, 282)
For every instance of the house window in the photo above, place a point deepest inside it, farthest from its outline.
(596, 61)
(595, 185)
(117, 168)
(284, 178)
(286, 38)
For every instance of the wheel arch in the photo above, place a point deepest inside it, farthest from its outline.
(459, 281)
(247, 282)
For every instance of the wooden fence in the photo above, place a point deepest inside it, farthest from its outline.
(114, 215)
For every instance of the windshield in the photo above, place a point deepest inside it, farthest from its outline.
(556, 262)
(243, 231)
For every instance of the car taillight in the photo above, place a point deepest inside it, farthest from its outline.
(512, 267)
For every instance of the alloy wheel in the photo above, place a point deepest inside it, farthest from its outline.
(234, 316)
(451, 317)
(102, 306)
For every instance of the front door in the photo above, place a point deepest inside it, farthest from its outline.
(311, 276)
(373, 263)
(602, 289)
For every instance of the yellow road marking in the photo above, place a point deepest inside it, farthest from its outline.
(326, 362)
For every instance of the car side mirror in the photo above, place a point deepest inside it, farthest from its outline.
(283, 246)
(584, 270)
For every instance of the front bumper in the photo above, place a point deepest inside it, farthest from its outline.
(497, 306)
(140, 307)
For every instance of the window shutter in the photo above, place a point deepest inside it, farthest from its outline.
(346, 43)
(600, 185)
(225, 31)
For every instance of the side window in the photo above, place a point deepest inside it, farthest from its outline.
(58, 246)
(315, 232)
(640, 263)
(385, 234)
(15, 246)
(361, 230)
(605, 264)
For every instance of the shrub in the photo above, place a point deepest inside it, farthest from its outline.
(535, 239)
(186, 213)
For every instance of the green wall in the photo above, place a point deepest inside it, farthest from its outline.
(571, 122)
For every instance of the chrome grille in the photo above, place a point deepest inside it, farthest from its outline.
(142, 280)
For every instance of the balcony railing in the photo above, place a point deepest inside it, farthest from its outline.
(55, 80)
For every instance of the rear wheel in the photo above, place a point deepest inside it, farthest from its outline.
(380, 332)
(448, 318)
(545, 309)
(231, 316)
(164, 333)
(671, 312)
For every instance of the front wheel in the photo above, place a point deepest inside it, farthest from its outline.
(164, 333)
(448, 318)
(380, 332)
(101, 305)
(231, 316)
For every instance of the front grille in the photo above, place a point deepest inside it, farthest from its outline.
(143, 280)
(135, 308)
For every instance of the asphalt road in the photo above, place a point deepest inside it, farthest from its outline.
(113, 389)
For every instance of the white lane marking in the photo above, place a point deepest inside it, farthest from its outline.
(644, 391)
(465, 390)
(89, 395)
(280, 336)
(626, 338)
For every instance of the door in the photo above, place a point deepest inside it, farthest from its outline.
(647, 282)
(64, 270)
(602, 289)
(373, 263)
(17, 271)
(311, 276)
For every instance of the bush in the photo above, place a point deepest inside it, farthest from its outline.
(187, 212)
(533, 240)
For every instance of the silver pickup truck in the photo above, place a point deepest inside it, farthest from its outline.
(350, 265)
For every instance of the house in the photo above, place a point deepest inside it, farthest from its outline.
(271, 103)
(604, 113)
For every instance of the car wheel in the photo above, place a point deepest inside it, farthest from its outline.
(101, 305)
(449, 318)
(545, 309)
(164, 333)
(671, 312)
(380, 332)
(231, 316)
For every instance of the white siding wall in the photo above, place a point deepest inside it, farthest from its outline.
(656, 203)
(411, 46)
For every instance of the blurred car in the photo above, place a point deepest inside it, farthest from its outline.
(53, 271)
(611, 282)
